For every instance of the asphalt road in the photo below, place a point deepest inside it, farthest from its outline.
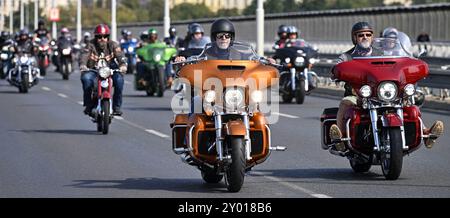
(49, 148)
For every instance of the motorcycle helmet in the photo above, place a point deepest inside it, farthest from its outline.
(41, 22)
(5, 35)
(152, 31)
(102, 29)
(87, 35)
(282, 29)
(144, 35)
(360, 27)
(390, 32)
(124, 32)
(222, 26)
(64, 31)
(172, 31)
(292, 30)
(196, 29)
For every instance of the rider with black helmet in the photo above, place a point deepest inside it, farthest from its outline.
(173, 40)
(41, 31)
(24, 43)
(282, 35)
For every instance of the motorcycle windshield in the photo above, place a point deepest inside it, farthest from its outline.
(236, 51)
(383, 48)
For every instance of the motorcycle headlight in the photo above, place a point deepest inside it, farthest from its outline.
(5, 48)
(257, 96)
(130, 49)
(313, 60)
(287, 60)
(23, 59)
(410, 89)
(157, 57)
(66, 51)
(234, 97)
(299, 60)
(104, 72)
(4, 56)
(209, 96)
(365, 91)
(387, 91)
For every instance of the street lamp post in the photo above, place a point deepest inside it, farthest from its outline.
(166, 18)
(11, 17)
(113, 21)
(36, 13)
(260, 28)
(54, 34)
(22, 19)
(79, 20)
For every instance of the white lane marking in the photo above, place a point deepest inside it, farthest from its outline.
(45, 88)
(117, 117)
(62, 95)
(292, 186)
(286, 115)
(80, 102)
(154, 132)
(320, 196)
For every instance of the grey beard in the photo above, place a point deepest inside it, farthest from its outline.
(364, 44)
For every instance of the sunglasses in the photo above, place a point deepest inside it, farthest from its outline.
(102, 36)
(222, 35)
(366, 35)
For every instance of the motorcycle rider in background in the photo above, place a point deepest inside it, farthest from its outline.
(42, 31)
(6, 44)
(282, 37)
(362, 38)
(64, 38)
(116, 59)
(173, 40)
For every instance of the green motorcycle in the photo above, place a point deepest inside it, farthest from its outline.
(153, 60)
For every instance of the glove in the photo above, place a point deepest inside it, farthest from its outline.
(123, 69)
(84, 68)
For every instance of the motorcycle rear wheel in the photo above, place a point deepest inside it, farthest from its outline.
(236, 170)
(392, 160)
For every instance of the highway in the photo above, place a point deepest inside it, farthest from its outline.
(49, 148)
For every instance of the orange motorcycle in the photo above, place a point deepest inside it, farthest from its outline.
(227, 134)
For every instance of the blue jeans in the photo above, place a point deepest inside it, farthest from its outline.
(88, 80)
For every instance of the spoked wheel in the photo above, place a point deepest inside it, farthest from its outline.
(236, 170)
(209, 176)
(391, 153)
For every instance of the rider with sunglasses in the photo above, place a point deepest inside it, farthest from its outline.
(116, 59)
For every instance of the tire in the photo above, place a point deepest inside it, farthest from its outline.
(236, 170)
(161, 83)
(210, 176)
(42, 71)
(65, 71)
(300, 92)
(24, 85)
(149, 92)
(105, 116)
(361, 167)
(392, 161)
(287, 98)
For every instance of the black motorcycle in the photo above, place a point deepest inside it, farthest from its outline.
(65, 53)
(298, 80)
(25, 73)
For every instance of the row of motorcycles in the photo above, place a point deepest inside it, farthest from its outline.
(23, 69)
(230, 134)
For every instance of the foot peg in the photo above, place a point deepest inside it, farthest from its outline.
(278, 148)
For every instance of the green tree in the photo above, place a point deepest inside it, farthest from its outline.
(227, 12)
(187, 11)
(251, 9)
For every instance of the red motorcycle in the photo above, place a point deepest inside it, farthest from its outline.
(385, 124)
(44, 52)
(103, 95)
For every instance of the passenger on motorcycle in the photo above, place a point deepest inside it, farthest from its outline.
(362, 38)
(282, 37)
(116, 60)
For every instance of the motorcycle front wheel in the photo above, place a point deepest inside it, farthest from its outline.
(23, 88)
(236, 170)
(391, 153)
(300, 92)
(105, 116)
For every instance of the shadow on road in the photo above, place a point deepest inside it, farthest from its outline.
(62, 131)
(148, 108)
(339, 176)
(174, 185)
(11, 92)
